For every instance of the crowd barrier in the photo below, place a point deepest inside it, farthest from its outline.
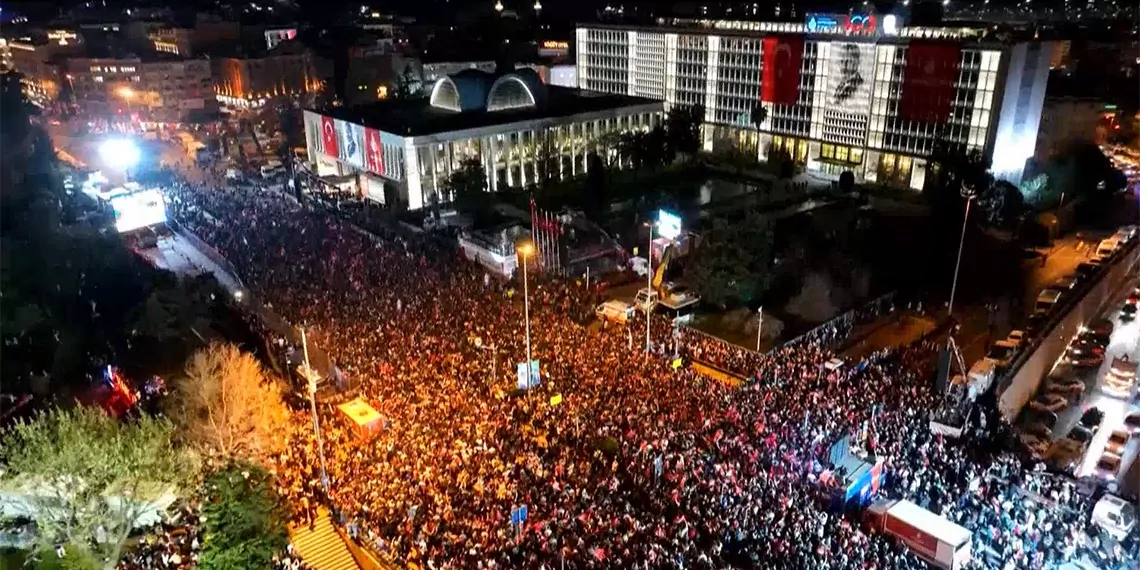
(1029, 368)
(841, 327)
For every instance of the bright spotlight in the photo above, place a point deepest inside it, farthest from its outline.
(121, 154)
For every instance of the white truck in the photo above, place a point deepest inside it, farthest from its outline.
(932, 537)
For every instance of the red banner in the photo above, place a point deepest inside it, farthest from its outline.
(373, 151)
(780, 82)
(928, 81)
(329, 138)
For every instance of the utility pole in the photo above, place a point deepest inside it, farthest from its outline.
(759, 325)
(313, 377)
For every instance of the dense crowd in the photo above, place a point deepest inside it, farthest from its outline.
(639, 465)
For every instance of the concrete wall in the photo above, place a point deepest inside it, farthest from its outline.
(1033, 368)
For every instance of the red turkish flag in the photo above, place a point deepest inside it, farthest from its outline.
(780, 81)
(329, 138)
(928, 81)
(373, 151)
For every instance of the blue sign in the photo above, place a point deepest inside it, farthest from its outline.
(518, 515)
(820, 23)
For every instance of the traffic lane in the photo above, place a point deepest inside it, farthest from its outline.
(1125, 341)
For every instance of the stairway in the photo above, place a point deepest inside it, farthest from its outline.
(321, 548)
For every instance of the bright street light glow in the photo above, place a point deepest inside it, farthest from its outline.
(120, 153)
(525, 249)
(126, 92)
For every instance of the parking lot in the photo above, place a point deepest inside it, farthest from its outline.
(1082, 381)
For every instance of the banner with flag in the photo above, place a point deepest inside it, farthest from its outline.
(351, 143)
(780, 78)
(546, 231)
(373, 151)
(928, 81)
(329, 142)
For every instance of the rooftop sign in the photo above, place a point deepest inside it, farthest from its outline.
(857, 24)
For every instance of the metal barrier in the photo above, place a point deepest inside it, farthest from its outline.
(843, 325)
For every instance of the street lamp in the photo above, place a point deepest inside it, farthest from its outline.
(967, 193)
(649, 290)
(120, 154)
(128, 95)
(312, 377)
(525, 250)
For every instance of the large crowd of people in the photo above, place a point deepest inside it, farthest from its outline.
(623, 460)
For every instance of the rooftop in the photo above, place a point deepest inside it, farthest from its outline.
(417, 117)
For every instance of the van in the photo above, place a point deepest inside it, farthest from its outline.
(1115, 515)
(615, 311)
(646, 299)
(1046, 300)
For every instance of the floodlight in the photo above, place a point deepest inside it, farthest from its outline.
(120, 153)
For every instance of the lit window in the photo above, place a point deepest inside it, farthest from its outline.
(98, 78)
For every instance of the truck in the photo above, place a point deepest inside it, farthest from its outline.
(934, 538)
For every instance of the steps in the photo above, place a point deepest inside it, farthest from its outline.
(321, 548)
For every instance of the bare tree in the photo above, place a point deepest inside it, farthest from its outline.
(226, 407)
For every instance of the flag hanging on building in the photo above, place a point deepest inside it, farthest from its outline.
(928, 81)
(373, 151)
(328, 137)
(780, 81)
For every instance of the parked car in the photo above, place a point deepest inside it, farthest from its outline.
(1016, 337)
(1002, 352)
(1107, 466)
(1088, 359)
(1102, 327)
(1117, 441)
(1115, 515)
(1094, 337)
(1121, 376)
(1037, 439)
(1055, 403)
(1061, 381)
(1036, 324)
(1128, 312)
(1091, 419)
(1132, 422)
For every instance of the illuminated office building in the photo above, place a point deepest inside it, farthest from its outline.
(858, 92)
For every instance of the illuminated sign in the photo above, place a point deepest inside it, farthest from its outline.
(550, 48)
(851, 24)
(668, 224)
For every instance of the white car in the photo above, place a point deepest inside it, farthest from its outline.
(1115, 515)
(1049, 402)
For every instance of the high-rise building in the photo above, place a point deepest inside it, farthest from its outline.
(838, 92)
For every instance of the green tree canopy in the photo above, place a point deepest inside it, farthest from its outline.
(244, 519)
(468, 185)
(90, 479)
(732, 266)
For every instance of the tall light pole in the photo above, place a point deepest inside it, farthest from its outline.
(649, 290)
(525, 251)
(759, 325)
(312, 377)
(968, 194)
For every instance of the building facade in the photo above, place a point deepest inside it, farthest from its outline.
(153, 91)
(521, 130)
(251, 82)
(858, 93)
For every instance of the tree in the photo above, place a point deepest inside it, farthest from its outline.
(732, 266)
(596, 190)
(846, 181)
(758, 116)
(468, 185)
(225, 407)
(547, 162)
(683, 130)
(1002, 204)
(244, 519)
(90, 479)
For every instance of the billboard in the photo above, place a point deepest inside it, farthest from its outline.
(351, 143)
(138, 210)
(851, 72)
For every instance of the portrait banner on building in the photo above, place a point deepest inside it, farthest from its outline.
(780, 79)
(329, 143)
(373, 151)
(928, 81)
(851, 72)
(351, 143)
